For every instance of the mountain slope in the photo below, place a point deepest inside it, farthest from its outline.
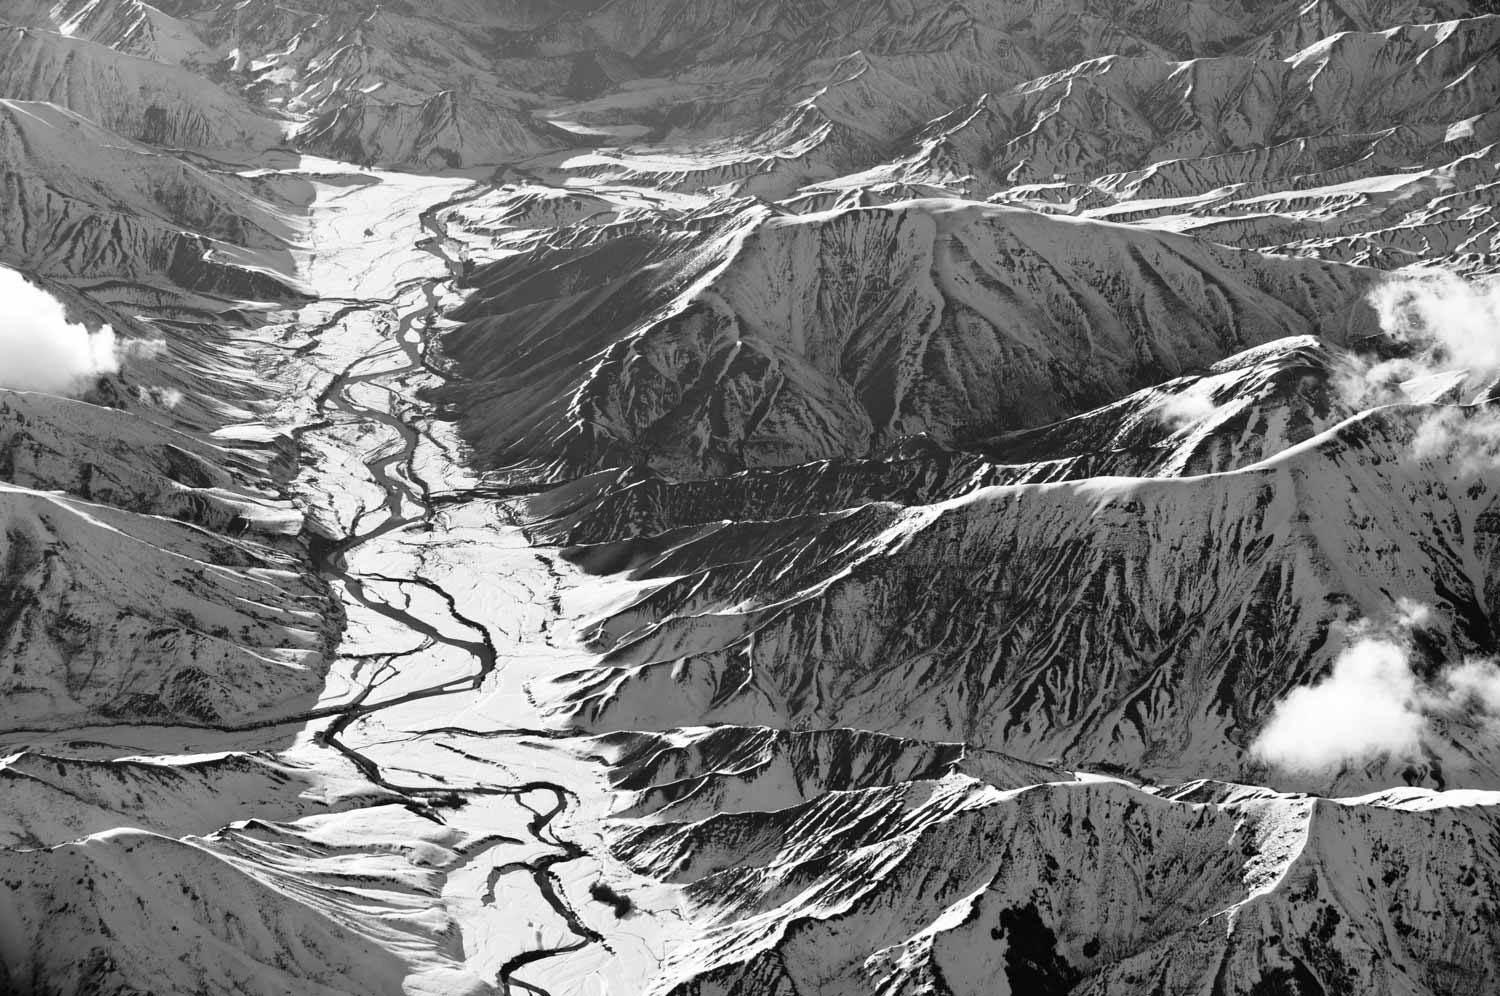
(1144, 625)
(956, 886)
(749, 496)
(111, 615)
(138, 98)
(81, 202)
(778, 340)
(1240, 411)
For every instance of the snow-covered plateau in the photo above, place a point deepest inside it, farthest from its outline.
(749, 498)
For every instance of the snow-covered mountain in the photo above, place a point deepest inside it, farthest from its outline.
(729, 497)
(1134, 623)
(769, 340)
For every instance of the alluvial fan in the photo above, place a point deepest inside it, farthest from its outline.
(750, 498)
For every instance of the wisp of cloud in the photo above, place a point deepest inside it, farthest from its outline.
(40, 350)
(1182, 410)
(1454, 322)
(1467, 439)
(1450, 327)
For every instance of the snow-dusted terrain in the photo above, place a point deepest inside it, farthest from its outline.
(580, 497)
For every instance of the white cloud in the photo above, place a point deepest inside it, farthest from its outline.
(1454, 323)
(1450, 329)
(1373, 704)
(40, 350)
(164, 397)
(1182, 410)
(1367, 707)
(1466, 438)
(1475, 684)
(1409, 615)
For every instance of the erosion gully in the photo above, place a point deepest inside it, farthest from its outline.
(409, 502)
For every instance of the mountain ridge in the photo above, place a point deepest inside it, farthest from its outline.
(747, 497)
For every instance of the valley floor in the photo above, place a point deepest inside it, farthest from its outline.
(450, 613)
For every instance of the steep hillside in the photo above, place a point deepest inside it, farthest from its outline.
(113, 616)
(1242, 410)
(957, 885)
(82, 202)
(771, 340)
(138, 98)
